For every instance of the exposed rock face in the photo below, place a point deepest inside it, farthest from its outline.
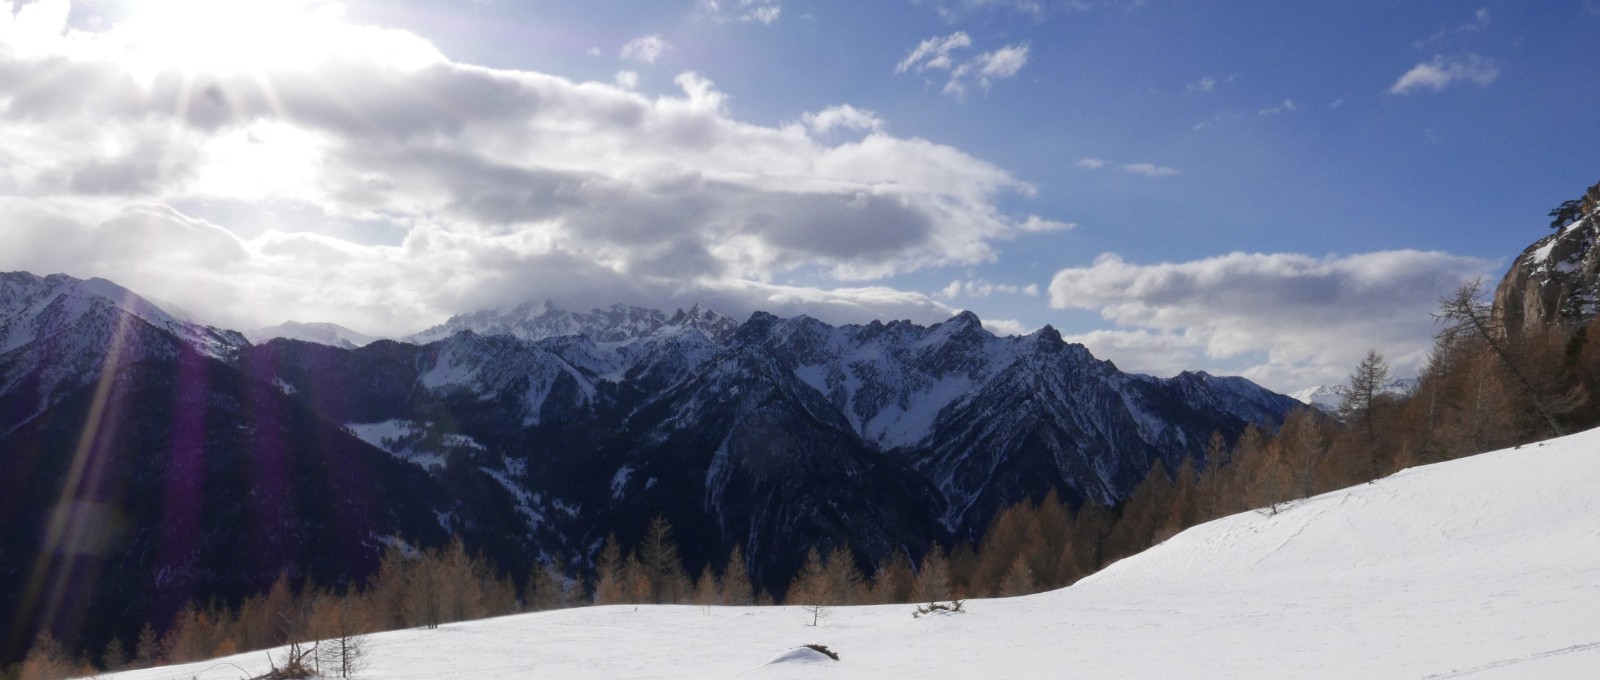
(1557, 279)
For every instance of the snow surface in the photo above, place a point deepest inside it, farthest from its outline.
(1482, 568)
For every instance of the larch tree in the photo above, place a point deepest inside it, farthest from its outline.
(664, 569)
(1018, 579)
(736, 586)
(608, 577)
(1360, 393)
(933, 577)
(1466, 313)
(809, 588)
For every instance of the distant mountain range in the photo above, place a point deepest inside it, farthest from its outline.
(1327, 398)
(535, 432)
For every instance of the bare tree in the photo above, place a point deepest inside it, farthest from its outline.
(1466, 314)
(1361, 392)
(809, 589)
(340, 624)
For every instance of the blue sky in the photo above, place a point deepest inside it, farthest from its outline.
(1252, 187)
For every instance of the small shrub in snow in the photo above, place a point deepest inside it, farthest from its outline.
(824, 649)
(942, 608)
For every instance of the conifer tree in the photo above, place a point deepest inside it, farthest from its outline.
(842, 581)
(147, 649)
(932, 583)
(891, 581)
(736, 586)
(1018, 579)
(706, 590)
(663, 568)
(609, 587)
(547, 588)
(115, 656)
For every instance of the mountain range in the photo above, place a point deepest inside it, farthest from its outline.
(534, 433)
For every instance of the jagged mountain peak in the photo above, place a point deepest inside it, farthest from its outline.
(618, 324)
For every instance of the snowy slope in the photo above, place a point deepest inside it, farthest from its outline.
(1487, 567)
(34, 309)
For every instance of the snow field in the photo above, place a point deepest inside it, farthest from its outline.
(1482, 568)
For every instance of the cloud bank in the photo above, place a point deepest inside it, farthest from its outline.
(372, 181)
(1298, 320)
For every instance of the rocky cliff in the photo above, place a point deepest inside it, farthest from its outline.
(1557, 279)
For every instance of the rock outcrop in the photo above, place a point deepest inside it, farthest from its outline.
(1556, 281)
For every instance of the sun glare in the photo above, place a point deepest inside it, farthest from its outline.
(229, 35)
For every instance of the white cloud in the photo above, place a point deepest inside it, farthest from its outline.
(1005, 327)
(646, 49)
(1035, 224)
(934, 53)
(939, 54)
(842, 117)
(1038, 10)
(1441, 72)
(763, 12)
(1091, 163)
(387, 193)
(1150, 170)
(1004, 62)
(627, 80)
(1287, 106)
(1209, 83)
(1479, 21)
(1302, 320)
(978, 288)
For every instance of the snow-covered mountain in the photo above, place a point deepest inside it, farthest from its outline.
(547, 430)
(58, 334)
(322, 333)
(772, 434)
(1483, 568)
(619, 324)
(1326, 398)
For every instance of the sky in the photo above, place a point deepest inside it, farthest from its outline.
(1245, 187)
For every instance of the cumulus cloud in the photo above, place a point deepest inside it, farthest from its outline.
(1441, 72)
(1091, 163)
(1301, 320)
(939, 54)
(376, 183)
(646, 49)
